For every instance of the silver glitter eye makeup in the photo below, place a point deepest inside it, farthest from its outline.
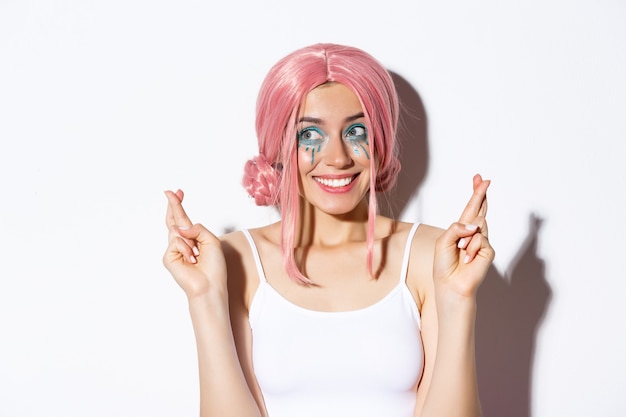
(356, 132)
(311, 139)
(356, 135)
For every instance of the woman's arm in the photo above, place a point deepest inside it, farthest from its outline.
(461, 258)
(223, 388)
(449, 387)
(196, 260)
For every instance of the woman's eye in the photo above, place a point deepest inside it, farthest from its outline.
(310, 134)
(356, 132)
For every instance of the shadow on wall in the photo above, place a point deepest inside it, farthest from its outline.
(413, 143)
(510, 312)
(510, 309)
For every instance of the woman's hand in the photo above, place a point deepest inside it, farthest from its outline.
(463, 253)
(194, 255)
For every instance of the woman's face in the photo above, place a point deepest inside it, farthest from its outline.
(333, 149)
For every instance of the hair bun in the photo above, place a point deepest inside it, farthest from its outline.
(261, 181)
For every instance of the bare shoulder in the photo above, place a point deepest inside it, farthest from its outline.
(425, 238)
(233, 244)
(423, 243)
(240, 267)
(243, 277)
(419, 274)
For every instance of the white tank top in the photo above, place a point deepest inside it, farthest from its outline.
(364, 363)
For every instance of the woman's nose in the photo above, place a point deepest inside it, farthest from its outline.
(336, 153)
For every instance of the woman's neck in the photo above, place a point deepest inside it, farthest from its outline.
(317, 228)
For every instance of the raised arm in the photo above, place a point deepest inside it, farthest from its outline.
(462, 256)
(196, 260)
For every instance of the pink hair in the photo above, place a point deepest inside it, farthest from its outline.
(272, 179)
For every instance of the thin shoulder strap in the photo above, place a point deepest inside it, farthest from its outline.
(255, 255)
(407, 252)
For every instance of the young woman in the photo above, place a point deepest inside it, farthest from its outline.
(334, 310)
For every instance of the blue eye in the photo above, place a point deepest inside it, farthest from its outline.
(310, 135)
(357, 132)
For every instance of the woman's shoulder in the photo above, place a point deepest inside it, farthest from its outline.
(240, 254)
(427, 235)
(422, 252)
(421, 244)
(424, 235)
(237, 243)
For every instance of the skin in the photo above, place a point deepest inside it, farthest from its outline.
(334, 109)
(446, 267)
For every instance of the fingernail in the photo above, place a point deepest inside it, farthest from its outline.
(466, 259)
(471, 227)
(461, 243)
(183, 228)
(192, 259)
(196, 251)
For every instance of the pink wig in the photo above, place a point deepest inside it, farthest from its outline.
(272, 178)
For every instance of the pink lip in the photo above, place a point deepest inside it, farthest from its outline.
(337, 190)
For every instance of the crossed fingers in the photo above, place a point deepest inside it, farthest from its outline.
(176, 220)
(476, 209)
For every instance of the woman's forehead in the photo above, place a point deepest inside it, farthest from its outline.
(330, 101)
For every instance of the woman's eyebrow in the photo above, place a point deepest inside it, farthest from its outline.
(356, 116)
(318, 121)
(313, 120)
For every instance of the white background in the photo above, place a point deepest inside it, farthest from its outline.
(105, 104)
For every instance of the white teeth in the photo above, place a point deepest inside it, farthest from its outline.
(335, 182)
